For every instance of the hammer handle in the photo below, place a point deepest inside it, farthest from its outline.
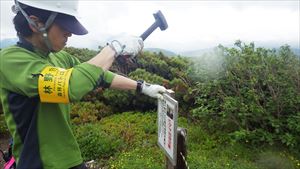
(149, 31)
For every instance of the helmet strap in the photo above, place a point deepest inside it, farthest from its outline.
(42, 30)
(19, 8)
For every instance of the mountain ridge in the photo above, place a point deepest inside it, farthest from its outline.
(8, 42)
(191, 53)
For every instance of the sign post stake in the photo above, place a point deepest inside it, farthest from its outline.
(181, 149)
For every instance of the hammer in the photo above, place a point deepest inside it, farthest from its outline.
(160, 22)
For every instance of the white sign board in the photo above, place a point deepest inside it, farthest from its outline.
(167, 126)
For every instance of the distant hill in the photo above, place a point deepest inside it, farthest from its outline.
(200, 52)
(195, 53)
(8, 42)
(164, 51)
(296, 51)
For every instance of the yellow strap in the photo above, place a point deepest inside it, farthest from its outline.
(54, 85)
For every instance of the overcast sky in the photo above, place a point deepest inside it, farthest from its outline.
(192, 24)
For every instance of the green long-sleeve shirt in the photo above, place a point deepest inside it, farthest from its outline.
(42, 131)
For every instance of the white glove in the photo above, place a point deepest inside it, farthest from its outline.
(127, 45)
(153, 90)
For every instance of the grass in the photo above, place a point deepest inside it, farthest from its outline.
(136, 135)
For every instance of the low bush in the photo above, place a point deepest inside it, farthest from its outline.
(134, 128)
(3, 126)
(257, 98)
(88, 112)
(129, 141)
(274, 160)
(150, 158)
(83, 54)
(95, 143)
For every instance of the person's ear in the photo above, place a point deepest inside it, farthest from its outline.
(35, 23)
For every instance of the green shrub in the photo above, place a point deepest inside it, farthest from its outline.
(88, 112)
(95, 143)
(150, 158)
(256, 99)
(139, 134)
(119, 100)
(274, 160)
(152, 68)
(3, 126)
(155, 64)
(135, 138)
(132, 127)
(83, 54)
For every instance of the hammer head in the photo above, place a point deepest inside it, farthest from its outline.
(160, 20)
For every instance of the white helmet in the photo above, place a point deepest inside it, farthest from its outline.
(68, 21)
(69, 7)
(63, 13)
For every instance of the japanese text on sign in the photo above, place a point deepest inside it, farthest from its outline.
(167, 126)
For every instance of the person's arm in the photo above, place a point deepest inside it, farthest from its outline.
(104, 59)
(96, 69)
(26, 73)
(123, 83)
(126, 45)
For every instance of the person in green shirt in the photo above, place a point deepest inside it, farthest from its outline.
(39, 80)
